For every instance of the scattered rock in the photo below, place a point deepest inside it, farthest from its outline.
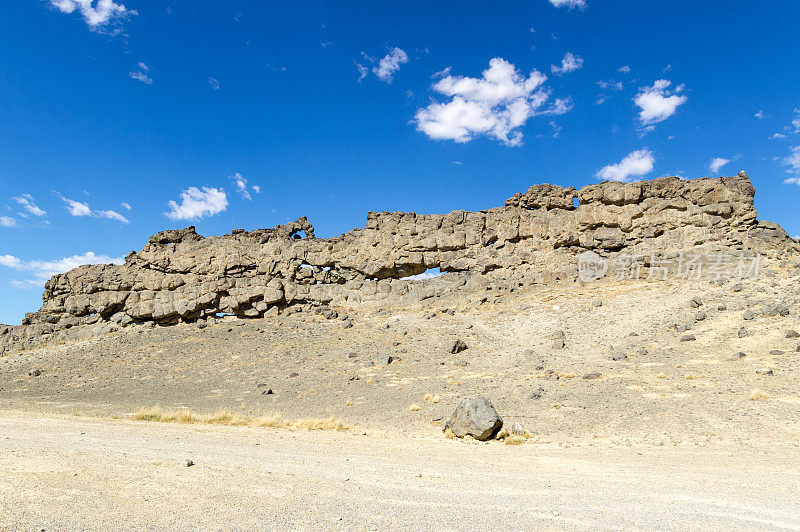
(700, 316)
(748, 315)
(591, 376)
(738, 356)
(293, 374)
(737, 287)
(642, 351)
(458, 347)
(775, 309)
(558, 339)
(536, 394)
(722, 306)
(385, 360)
(688, 338)
(346, 324)
(776, 352)
(743, 333)
(518, 429)
(619, 356)
(34, 373)
(189, 463)
(791, 333)
(475, 417)
(597, 303)
(460, 363)
(764, 372)
(696, 302)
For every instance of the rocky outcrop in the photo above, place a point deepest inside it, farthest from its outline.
(182, 276)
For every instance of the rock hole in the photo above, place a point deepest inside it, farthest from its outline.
(430, 273)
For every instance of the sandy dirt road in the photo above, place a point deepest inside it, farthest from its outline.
(82, 473)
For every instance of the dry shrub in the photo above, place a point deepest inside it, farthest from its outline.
(515, 439)
(414, 407)
(432, 398)
(226, 418)
(758, 395)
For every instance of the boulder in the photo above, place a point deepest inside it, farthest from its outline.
(475, 417)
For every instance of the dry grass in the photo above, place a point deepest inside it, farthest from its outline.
(414, 407)
(432, 398)
(758, 395)
(223, 417)
(449, 434)
(515, 439)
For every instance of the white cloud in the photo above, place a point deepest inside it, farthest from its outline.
(390, 64)
(141, 73)
(96, 13)
(213, 83)
(111, 215)
(6, 221)
(495, 105)
(363, 71)
(241, 185)
(635, 164)
(610, 85)
(624, 69)
(793, 162)
(126, 206)
(717, 163)
(27, 202)
(569, 63)
(759, 115)
(196, 203)
(44, 270)
(775, 136)
(76, 208)
(572, 4)
(657, 103)
(256, 189)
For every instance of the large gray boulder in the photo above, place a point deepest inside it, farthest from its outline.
(475, 417)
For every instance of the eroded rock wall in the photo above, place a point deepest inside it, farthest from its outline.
(182, 276)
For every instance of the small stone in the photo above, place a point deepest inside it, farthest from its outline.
(330, 314)
(776, 352)
(34, 373)
(722, 306)
(737, 287)
(696, 302)
(619, 356)
(597, 303)
(537, 394)
(558, 343)
(351, 355)
(738, 356)
(346, 324)
(749, 315)
(764, 372)
(385, 360)
(460, 363)
(591, 376)
(688, 338)
(743, 333)
(528, 352)
(293, 374)
(201, 324)
(642, 351)
(518, 429)
(775, 309)
(791, 333)
(700, 316)
(189, 463)
(458, 347)
(682, 328)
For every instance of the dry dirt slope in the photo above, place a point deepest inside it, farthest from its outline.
(668, 389)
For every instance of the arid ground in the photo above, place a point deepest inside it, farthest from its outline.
(657, 413)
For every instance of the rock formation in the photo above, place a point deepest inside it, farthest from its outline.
(182, 276)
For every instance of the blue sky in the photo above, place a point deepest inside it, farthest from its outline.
(120, 119)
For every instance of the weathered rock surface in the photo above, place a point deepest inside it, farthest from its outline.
(181, 276)
(475, 417)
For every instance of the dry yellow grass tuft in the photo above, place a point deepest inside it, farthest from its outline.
(223, 417)
(432, 398)
(758, 395)
(515, 439)
(414, 407)
(449, 434)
